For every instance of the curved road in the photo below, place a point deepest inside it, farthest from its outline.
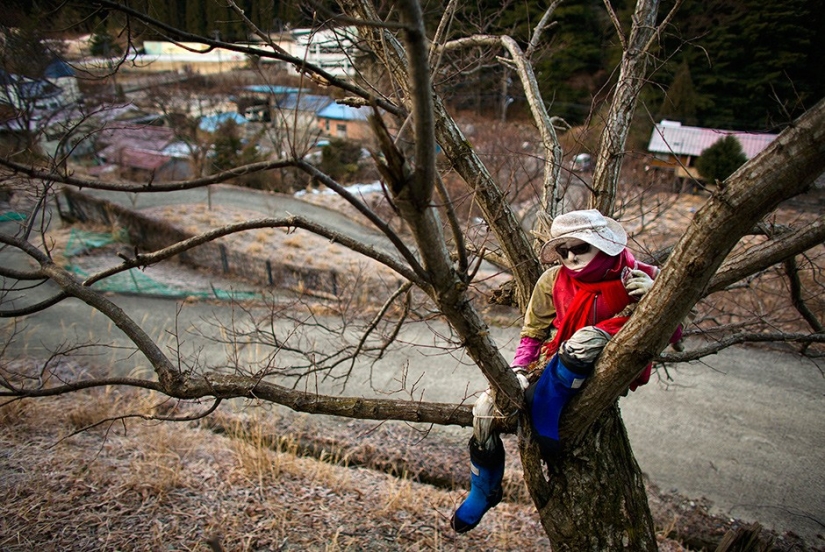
(744, 428)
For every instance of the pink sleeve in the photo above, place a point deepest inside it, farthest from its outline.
(527, 351)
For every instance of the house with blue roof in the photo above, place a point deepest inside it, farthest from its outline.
(345, 122)
(55, 88)
(214, 122)
(258, 102)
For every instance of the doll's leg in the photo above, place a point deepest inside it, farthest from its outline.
(562, 378)
(486, 467)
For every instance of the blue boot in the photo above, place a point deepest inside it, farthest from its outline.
(486, 473)
(549, 395)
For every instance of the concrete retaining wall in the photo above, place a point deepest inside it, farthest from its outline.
(150, 234)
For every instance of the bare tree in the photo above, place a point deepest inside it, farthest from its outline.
(440, 265)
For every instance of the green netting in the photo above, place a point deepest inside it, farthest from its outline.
(81, 241)
(12, 216)
(134, 280)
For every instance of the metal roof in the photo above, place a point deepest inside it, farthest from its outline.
(143, 159)
(141, 138)
(674, 138)
(125, 135)
(303, 102)
(58, 69)
(341, 112)
(271, 89)
(214, 122)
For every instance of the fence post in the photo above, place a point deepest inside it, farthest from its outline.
(224, 259)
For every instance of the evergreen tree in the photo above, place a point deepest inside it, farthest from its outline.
(228, 146)
(680, 103)
(721, 159)
(195, 18)
(102, 44)
(750, 60)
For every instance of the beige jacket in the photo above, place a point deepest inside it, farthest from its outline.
(541, 312)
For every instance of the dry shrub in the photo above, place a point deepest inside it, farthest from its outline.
(294, 241)
(13, 413)
(160, 486)
(254, 452)
(106, 404)
(264, 235)
(154, 474)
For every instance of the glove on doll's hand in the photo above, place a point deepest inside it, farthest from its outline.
(638, 283)
(584, 346)
(521, 374)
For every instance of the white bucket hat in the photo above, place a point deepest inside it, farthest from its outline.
(590, 226)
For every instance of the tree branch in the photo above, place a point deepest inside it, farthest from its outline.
(173, 186)
(737, 339)
(632, 77)
(760, 257)
(496, 208)
(792, 271)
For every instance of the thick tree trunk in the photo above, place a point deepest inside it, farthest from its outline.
(593, 498)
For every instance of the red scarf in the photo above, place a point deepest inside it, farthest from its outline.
(591, 297)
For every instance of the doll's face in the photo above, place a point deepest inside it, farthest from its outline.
(576, 254)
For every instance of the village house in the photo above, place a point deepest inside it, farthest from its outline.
(259, 102)
(344, 122)
(675, 147)
(142, 152)
(54, 89)
(330, 49)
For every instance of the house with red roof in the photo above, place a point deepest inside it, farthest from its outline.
(142, 152)
(676, 146)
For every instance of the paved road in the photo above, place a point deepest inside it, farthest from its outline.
(745, 428)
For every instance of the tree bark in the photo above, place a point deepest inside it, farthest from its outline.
(488, 196)
(594, 497)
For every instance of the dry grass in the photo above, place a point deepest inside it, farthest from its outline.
(149, 486)
(245, 477)
(144, 485)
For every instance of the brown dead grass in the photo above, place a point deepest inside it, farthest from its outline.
(243, 477)
(141, 485)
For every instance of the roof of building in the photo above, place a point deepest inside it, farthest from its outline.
(271, 89)
(340, 112)
(303, 102)
(142, 159)
(125, 134)
(142, 138)
(58, 69)
(214, 122)
(674, 138)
